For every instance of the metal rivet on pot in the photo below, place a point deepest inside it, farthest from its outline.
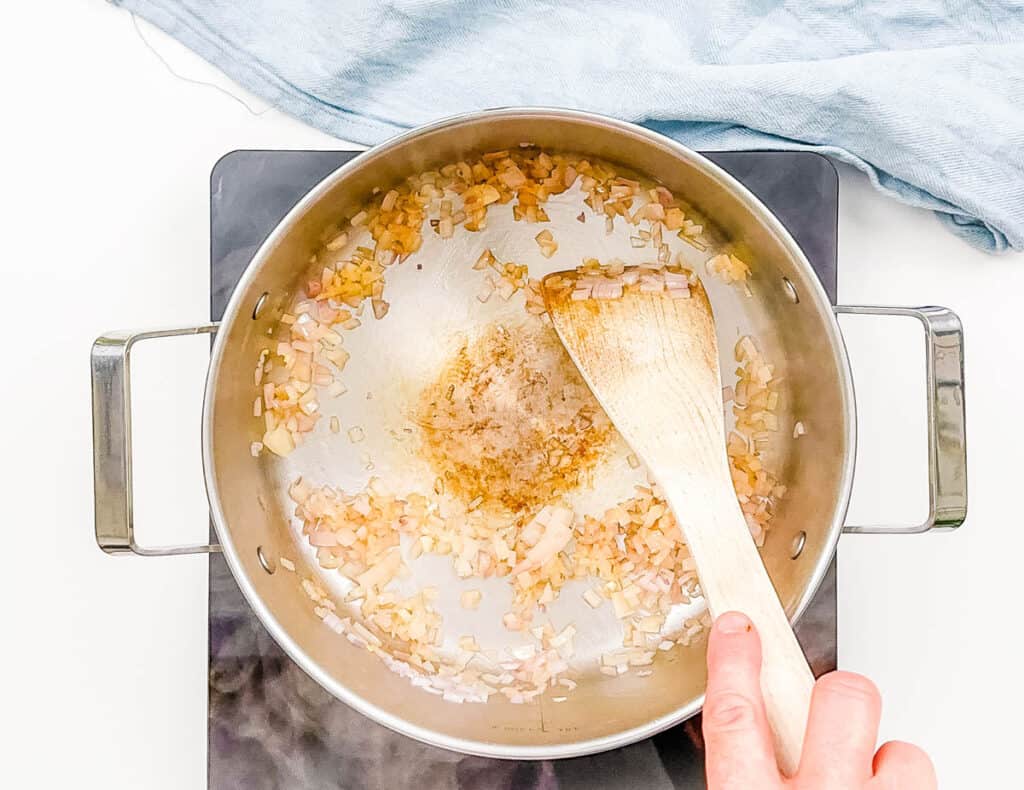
(799, 541)
(260, 304)
(268, 564)
(790, 290)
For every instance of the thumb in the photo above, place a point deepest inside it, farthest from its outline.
(738, 741)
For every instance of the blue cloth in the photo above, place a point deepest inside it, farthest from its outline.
(925, 96)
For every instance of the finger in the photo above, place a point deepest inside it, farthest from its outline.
(903, 766)
(736, 735)
(842, 728)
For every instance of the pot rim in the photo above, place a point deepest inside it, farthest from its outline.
(234, 309)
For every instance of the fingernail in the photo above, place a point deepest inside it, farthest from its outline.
(733, 623)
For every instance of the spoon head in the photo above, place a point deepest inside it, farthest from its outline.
(651, 359)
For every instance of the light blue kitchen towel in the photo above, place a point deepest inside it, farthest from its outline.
(925, 96)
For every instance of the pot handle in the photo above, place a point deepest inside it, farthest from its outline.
(947, 421)
(112, 442)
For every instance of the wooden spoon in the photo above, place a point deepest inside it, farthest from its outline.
(652, 362)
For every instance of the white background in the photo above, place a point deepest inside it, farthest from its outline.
(104, 193)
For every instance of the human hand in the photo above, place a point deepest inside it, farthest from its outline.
(842, 727)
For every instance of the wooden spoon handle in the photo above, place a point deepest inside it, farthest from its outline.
(734, 578)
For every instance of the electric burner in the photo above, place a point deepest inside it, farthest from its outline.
(271, 726)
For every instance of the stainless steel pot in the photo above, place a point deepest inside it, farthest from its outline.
(789, 311)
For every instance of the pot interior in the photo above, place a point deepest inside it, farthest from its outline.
(398, 366)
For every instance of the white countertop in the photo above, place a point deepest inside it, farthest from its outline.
(107, 158)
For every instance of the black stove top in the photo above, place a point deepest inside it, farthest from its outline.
(272, 727)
